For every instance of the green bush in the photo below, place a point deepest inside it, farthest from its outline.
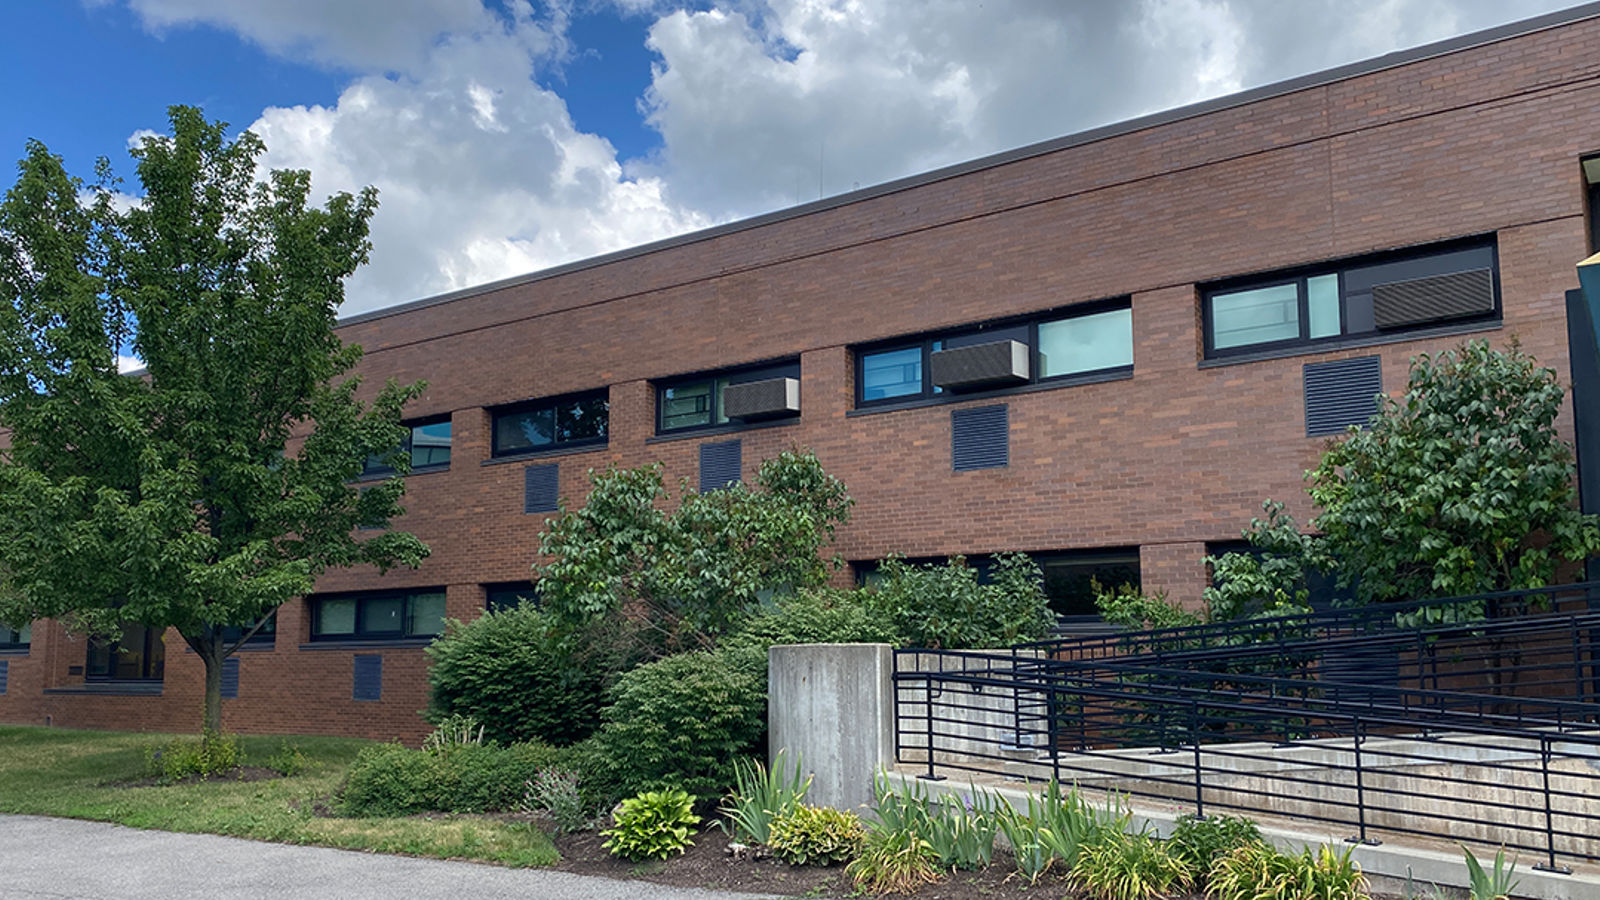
(1123, 866)
(893, 862)
(288, 761)
(1258, 872)
(556, 791)
(685, 720)
(816, 616)
(760, 795)
(390, 780)
(520, 676)
(946, 607)
(212, 754)
(652, 825)
(1201, 842)
(816, 835)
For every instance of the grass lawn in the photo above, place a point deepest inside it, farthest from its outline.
(54, 772)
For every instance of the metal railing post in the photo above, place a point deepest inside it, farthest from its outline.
(1549, 816)
(1194, 738)
(1054, 699)
(1360, 837)
(927, 694)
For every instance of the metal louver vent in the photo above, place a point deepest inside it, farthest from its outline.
(720, 464)
(540, 488)
(1431, 299)
(993, 364)
(765, 399)
(230, 678)
(1341, 393)
(5, 674)
(980, 438)
(368, 681)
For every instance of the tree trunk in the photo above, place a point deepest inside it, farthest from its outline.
(208, 646)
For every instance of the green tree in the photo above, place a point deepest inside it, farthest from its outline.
(684, 577)
(1460, 487)
(217, 486)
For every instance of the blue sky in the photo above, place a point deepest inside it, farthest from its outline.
(512, 137)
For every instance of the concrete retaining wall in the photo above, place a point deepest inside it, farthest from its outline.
(831, 706)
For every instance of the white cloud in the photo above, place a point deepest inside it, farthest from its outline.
(126, 364)
(759, 103)
(480, 171)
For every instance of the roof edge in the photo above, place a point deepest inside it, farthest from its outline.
(1391, 60)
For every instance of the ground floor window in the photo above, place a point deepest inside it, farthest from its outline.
(15, 638)
(136, 653)
(509, 594)
(1071, 577)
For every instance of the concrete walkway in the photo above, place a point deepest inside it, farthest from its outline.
(65, 858)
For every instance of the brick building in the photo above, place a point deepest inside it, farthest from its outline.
(1105, 350)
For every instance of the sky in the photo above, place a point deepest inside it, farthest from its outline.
(507, 136)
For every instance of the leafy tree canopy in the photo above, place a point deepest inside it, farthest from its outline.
(686, 576)
(1461, 486)
(217, 485)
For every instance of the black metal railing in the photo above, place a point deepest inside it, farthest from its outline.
(1480, 728)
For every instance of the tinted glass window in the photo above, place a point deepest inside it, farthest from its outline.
(430, 445)
(135, 654)
(425, 614)
(336, 616)
(688, 405)
(1070, 581)
(15, 637)
(1255, 316)
(379, 616)
(566, 421)
(891, 373)
(507, 596)
(1086, 343)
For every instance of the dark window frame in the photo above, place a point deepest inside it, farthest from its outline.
(785, 367)
(266, 634)
(371, 469)
(360, 630)
(1300, 276)
(936, 340)
(539, 404)
(526, 588)
(151, 669)
(11, 638)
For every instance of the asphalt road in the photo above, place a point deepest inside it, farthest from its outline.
(64, 858)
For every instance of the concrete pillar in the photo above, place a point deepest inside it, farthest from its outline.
(831, 706)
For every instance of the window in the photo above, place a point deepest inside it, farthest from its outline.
(509, 594)
(574, 420)
(695, 401)
(1390, 293)
(387, 615)
(1070, 577)
(1087, 341)
(428, 445)
(15, 638)
(267, 634)
(136, 653)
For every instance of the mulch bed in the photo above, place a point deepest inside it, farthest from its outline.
(708, 865)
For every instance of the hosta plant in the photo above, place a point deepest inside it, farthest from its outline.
(816, 835)
(652, 825)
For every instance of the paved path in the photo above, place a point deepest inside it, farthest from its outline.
(49, 859)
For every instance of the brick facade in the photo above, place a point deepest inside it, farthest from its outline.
(1483, 140)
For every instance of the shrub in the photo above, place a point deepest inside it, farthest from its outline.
(519, 675)
(652, 825)
(1258, 872)
(555, 791)
(816, 835)
(390, 780)
(959, 833)
(685, 720)
(816, 616)
(893, 862)
(1199, 842)
(213, 754)
(1127, 607)
(288, 761)
(945, 606)
(759, 796)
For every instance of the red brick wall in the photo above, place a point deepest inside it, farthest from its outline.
(1484, 140)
